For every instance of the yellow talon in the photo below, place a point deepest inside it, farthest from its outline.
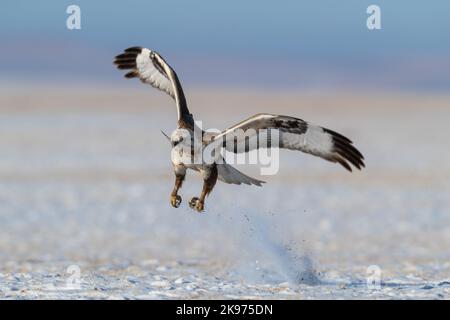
(196, 204)
(199, 206)
(175, 201)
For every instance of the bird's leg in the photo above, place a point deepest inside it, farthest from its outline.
(180, 174)
(209, 180)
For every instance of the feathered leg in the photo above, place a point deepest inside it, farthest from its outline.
(209, 181)
(180, 174)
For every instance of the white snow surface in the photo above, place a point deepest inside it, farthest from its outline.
(90, 188)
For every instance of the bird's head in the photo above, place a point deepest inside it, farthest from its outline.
(178, 136)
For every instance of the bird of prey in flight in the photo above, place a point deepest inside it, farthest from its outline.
(292, 133)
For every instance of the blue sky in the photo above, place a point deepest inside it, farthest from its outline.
(262, 43)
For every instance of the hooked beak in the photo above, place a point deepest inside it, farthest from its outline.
(165, 135)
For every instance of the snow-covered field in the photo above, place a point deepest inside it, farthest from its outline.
(85, 179)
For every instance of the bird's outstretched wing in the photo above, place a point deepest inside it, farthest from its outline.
(293, 134)
(146, 67)
(151, 68)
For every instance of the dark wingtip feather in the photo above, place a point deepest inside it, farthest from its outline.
(349, 153)
(344, 163)
(121, 61)
(128, 55)
(131, 74)
(124, 66)
(346, 151)
(337, 135)
(349, 156)
(127, 60)
(134, 49)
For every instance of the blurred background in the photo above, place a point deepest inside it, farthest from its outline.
(298, 45)
(85, 174)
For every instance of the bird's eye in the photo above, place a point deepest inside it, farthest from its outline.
(176, 142)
